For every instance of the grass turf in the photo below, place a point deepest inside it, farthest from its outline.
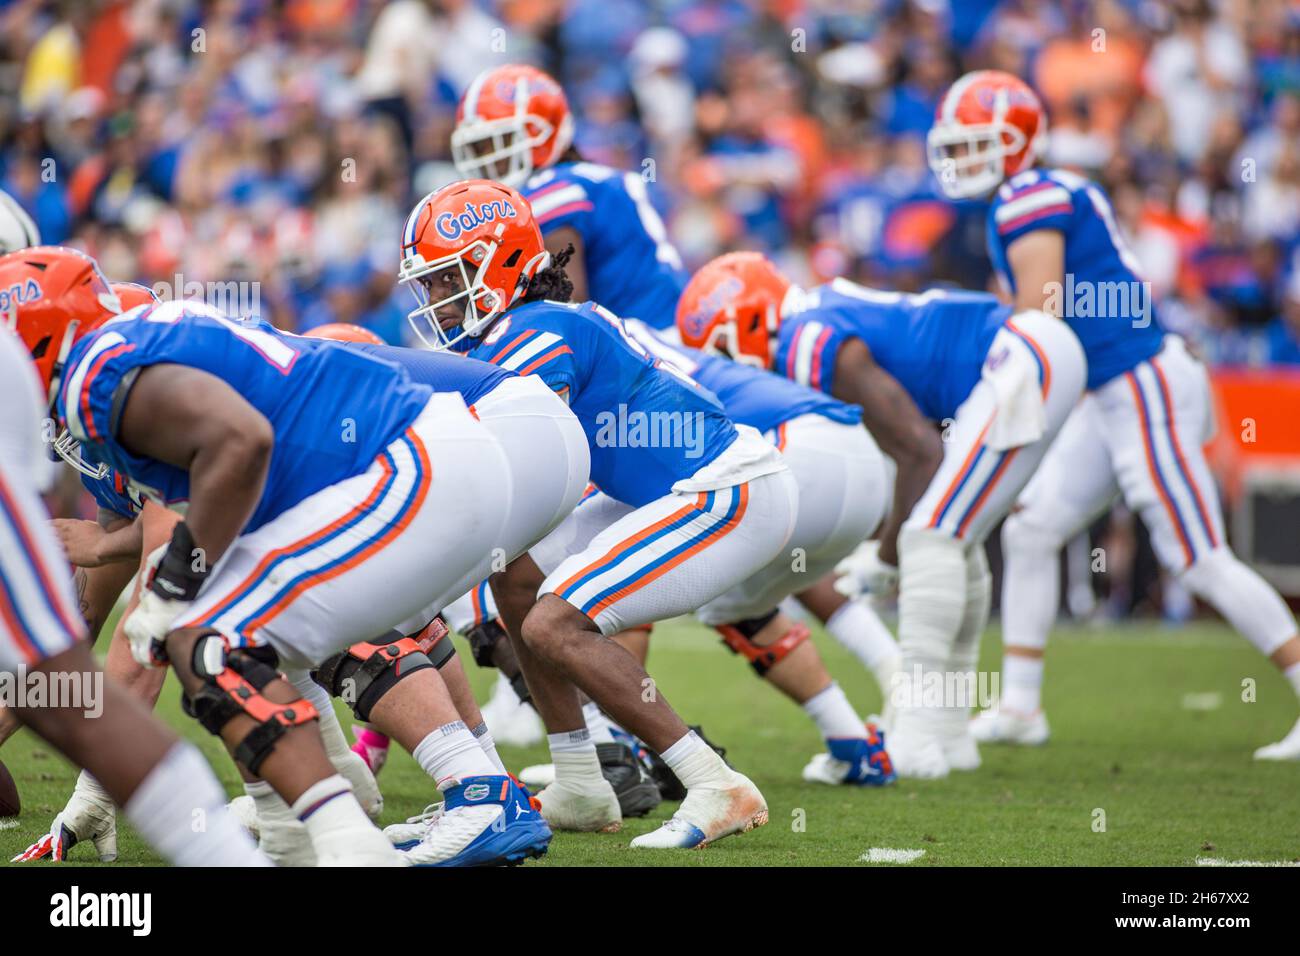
(1173, 783)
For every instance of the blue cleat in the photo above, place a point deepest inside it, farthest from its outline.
(485, 821)
(859, 761)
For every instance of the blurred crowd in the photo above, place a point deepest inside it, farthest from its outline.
(271, 149)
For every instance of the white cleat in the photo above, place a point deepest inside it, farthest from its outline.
(510, 720)
(1288, 748)
(364, 785)
(405, 835)
(244, 810)
(590, 810)
(286, 842)
(355, 846)
(451, 833)
(708, 814)
(537, 776)
(997, 725)
(823, 768)
(960, 749)
(915, 748)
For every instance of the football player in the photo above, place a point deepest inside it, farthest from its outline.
(513, 125)
(1138, 433)
(160, 781)
(289, 517)
(689, 505)
(964, 396)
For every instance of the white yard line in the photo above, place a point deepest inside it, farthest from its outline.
(1215, 861)
(880, 854)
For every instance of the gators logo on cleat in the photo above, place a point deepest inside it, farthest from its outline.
(477, 791)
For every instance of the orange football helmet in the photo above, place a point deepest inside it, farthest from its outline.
(132, 295)
(989, 126)
(344, 332)
(474, 241)
(511, 121)
(732, 306)
(51, 296)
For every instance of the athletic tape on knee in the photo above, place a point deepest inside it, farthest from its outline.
(975, 617)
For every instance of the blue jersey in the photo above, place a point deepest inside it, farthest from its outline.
(749, 395)
(632, 268)
(114, 493)
(1103, 300)
(649, 425)
(933, 343)
(443, 371)
(333, 409)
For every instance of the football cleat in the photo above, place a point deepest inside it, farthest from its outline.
(670, 788)
(82, 819)
(567, 807)
(538, 775)
(914, 747)
(371, 746)
(486, 821)
(860, 761)
(997, 725)
(708, 814)
(1288, 748)
(406, 835)
(960, 748)
(637, 791)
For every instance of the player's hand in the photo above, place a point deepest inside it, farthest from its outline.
(147, 626)
(97, 822)
(80, 540)
(863, 572)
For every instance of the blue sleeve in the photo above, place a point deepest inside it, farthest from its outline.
(808, 355)
(105, 493)
(563, 202)
(86, 401)
(1045, 204)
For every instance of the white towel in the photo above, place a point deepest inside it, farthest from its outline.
(1012, 373)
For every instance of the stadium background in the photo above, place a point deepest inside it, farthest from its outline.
(270, 150)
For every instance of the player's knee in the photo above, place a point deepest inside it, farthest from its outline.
(761, 644)
(229, 684)
(552, 627)
(364, 673)
(1022, 533)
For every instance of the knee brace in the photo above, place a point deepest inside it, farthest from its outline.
(232, 686)
(365, 672)
(483, 641)
(435, 642)
(739, 637)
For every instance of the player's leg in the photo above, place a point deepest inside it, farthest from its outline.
(662, 560)
(1158, 418)
(856, 625)
(842, 494)
(1025, 396)
(1074, 484)
(157, 779)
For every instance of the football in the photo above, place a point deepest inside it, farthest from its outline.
(9, 802)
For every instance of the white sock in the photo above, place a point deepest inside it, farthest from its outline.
(451, 753)
(489, 745)
(598, 725)
(1023, 683)
(696, 764)
(574, 755)
(1031, 586)
(860, 629)
(271, 807)
(180, 810)
(1292, 674)
(327, 807)
(833, 714)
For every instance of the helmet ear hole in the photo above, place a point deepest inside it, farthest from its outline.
(513, 258)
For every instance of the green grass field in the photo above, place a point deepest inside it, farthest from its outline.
(1174, 783)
